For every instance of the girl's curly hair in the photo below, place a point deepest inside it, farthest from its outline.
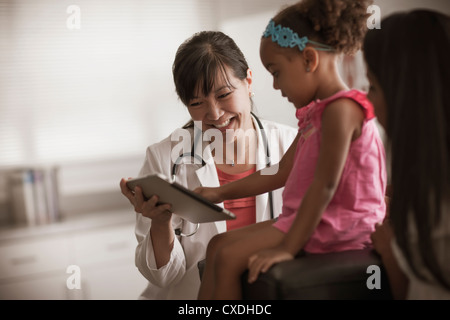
(340, 24)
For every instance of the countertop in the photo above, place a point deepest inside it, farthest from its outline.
(72, 224)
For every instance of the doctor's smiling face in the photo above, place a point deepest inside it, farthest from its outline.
(227, 106)
(213, 80)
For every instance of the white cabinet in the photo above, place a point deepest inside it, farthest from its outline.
(33, 257)
(34, 267)
(44, 287)
(120, 281)
(104, 246)
(106, 261)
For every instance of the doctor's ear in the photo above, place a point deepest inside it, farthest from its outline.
(249, 79)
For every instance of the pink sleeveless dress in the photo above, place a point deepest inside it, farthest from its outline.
(358, 203)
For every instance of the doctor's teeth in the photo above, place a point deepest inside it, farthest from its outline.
(223, 124)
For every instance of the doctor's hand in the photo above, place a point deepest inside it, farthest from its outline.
(262, 261)
(148, 208)
(212, 194)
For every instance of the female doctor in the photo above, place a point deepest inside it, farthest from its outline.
(213, 80)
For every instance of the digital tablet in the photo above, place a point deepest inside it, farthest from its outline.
(185, 203)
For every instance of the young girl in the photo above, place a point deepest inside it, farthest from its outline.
(409, 90)
(334, 172)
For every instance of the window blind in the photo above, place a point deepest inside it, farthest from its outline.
(103, 90)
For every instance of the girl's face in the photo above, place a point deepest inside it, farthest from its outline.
(376, 96)
(288, 72)
(227, 106)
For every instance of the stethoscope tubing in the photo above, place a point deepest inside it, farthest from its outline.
(198, 157)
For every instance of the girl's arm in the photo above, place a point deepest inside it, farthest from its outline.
(255, 183)
(341, 124)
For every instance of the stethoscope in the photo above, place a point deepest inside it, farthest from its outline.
(193, 155)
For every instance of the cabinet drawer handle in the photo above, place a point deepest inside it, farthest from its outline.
(23, 260)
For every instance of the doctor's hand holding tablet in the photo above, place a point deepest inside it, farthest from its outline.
(147, 207)
(165, 197)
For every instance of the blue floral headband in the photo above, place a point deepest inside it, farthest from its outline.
(285, 37)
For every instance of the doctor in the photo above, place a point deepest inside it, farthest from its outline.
(213, 80)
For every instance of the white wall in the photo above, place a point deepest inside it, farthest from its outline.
(104, 90)
(390, 6)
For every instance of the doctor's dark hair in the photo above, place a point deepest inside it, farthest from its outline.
(201, 58)
(409, 57)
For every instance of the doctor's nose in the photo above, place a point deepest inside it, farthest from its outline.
(214, 112)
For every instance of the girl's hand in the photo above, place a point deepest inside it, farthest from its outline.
(148, 208)
(261, 262)
(212, 194)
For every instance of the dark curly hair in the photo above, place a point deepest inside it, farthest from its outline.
(340, 24)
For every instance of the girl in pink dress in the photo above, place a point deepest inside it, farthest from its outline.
(334, 172)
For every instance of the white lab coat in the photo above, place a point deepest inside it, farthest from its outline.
(179, 278)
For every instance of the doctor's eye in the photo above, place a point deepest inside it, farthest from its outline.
(224, 95)
(194, 104)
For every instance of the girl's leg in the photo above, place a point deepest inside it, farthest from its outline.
(232, 260)
(217, 242)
